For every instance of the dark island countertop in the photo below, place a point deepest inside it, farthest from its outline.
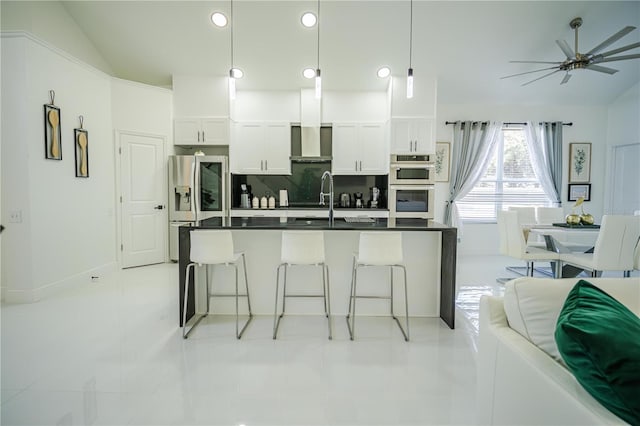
(341, 224)
(447, 249)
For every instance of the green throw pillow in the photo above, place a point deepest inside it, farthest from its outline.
(599, 340)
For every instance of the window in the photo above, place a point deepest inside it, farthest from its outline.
(508, 181)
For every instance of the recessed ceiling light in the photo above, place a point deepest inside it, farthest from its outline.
(218, 19)
(237, 73)
(309, 19)
(384, 72)
(309, 73)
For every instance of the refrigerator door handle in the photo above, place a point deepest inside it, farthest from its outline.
(195, 179)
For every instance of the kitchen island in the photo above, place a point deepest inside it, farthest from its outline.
(429, 249)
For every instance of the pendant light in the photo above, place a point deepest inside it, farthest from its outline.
(232, 74)
(410, 71)
(318, 76)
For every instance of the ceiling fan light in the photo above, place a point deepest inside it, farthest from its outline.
(219, 19)
(384, 72)
(309, 73)
(308, 19)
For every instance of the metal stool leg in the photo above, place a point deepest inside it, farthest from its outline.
(276, 317)
(405, 334)
(185, 332)
(325, 274)
(352, 304)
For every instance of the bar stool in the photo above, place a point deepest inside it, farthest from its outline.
(379, 248)
(215, 247)
(302, 248)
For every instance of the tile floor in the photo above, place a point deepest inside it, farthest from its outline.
(111, 353)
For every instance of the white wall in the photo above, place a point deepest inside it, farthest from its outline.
(589, 125)
(68, 224)
(49, 20)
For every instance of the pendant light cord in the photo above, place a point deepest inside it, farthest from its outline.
(318, 51)
(231, 15)
(410, 33)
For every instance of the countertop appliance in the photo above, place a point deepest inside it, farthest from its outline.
(358, 200)
(345, 199)
(245, 197)
(197, 191)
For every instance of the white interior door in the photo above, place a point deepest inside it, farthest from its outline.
(625, 196)
(143, 205)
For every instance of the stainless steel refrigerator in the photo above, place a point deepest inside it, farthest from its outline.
(198, 190)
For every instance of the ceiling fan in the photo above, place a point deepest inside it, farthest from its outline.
(589, 60)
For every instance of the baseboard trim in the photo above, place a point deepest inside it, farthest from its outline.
(48, 290)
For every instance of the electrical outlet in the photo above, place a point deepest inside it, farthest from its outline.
(15, 216)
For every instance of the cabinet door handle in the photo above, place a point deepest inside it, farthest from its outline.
(356, 164)
(360, 165)
(203, 136)
(266, 165)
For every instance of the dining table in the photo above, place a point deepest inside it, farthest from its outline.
(565, 238)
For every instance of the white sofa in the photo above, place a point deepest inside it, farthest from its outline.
(521, 377)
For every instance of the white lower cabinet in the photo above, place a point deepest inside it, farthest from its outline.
(260, 149)
(206, 131)
(359, 149)
(413, 135)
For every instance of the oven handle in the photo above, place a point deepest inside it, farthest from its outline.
(411, 187)
(412, 166)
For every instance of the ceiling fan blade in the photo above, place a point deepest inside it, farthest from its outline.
(617, 58)
(601, 69)
(540, 78)
(568, 51)
(534, 62)
(617, 36)
(566, 78)
(619, 50)
(528, 72)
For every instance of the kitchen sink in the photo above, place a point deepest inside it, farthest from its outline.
(311, 221)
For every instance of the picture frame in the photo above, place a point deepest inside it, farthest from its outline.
(441, 161)
(81, 144)
(52, 133)
(580, 162)
(577, 190)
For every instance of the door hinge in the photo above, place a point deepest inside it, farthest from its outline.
(120, 151)
(121, 198)
(121, 247)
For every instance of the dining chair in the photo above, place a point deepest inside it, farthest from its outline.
(549, 215)
(513, 241)
(526, 214)
(615, 248)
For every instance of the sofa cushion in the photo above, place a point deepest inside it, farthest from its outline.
(599, 340)
(533, 305)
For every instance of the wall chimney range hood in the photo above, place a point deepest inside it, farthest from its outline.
(310, 144)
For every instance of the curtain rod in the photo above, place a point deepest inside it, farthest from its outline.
(506, 123)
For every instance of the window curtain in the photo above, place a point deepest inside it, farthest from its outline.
(473, 145)
(545, 149)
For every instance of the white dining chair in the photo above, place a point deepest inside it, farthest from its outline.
(615, 248)
(526, 214)
(513, 241)
(549, 215)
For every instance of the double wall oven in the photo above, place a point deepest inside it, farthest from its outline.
(411, 187)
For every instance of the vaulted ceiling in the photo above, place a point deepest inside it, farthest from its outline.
(466, 44)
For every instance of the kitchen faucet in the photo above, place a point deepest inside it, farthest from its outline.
(330, 194)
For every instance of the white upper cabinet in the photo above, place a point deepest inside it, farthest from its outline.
(359, 149)
(260, 149)
(209, 131)
(413, 135)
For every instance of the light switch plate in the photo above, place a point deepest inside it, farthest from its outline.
(15, 216)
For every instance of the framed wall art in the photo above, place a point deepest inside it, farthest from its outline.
(577, 190)
(81, 138)
(443, 150)
(580, 162)
(52, 133)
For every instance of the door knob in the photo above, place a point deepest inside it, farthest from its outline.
(159, 207)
